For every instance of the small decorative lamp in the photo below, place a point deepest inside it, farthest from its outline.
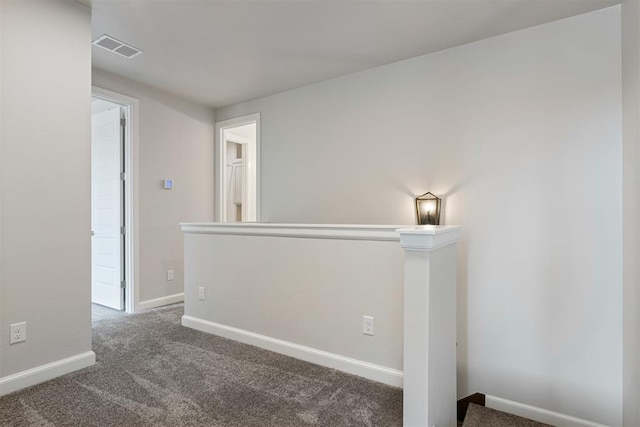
(428, 209)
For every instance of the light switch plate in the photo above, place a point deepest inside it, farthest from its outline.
(367, 325)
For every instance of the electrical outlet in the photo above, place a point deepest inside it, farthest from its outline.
(201, 293)
(18, 332)
(367, 325)
(170, 275)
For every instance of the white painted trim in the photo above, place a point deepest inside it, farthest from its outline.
(132, 264)
(46, 372)
(537, 414)
(368, 370)
(429, 323)
(219, 208)
(159, 302)
(309, 231)
(429, 237)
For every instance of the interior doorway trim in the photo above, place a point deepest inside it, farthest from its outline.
(220, 153)
(131, 238)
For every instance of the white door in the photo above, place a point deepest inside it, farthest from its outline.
(106, 209)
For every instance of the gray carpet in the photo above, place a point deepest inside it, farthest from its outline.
(480, 416)
(99, 312)
(151, 371)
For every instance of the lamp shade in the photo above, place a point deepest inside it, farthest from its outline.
(428, 209)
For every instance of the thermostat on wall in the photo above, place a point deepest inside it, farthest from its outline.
(168, 184)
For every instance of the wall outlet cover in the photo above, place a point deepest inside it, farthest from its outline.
(18, 332)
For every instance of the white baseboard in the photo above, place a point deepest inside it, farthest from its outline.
(43, 373)
(159, 302)
(537, 414)
(319, 357)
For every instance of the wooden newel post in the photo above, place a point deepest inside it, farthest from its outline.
(430, 325)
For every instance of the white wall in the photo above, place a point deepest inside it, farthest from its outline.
(292, 286)
(631, 198)
(44, 182)
(521, 135)
(175, 142)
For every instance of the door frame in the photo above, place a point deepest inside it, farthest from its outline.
(220, 152)
(130, 153)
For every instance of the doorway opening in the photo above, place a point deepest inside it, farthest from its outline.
(113, 222)
(238, 184)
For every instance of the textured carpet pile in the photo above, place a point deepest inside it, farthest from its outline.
(480, 416)
(151, 371)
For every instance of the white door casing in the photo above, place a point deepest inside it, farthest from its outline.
(107, 209)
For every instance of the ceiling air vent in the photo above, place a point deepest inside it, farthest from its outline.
(116, 46)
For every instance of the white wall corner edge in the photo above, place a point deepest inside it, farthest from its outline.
(46, 372)
(537, 414)
(383, 374)
(159, 302)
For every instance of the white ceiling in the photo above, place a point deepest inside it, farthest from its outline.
(219, 52)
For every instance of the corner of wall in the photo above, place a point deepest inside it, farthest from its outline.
(631, 209)
(44, 257)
